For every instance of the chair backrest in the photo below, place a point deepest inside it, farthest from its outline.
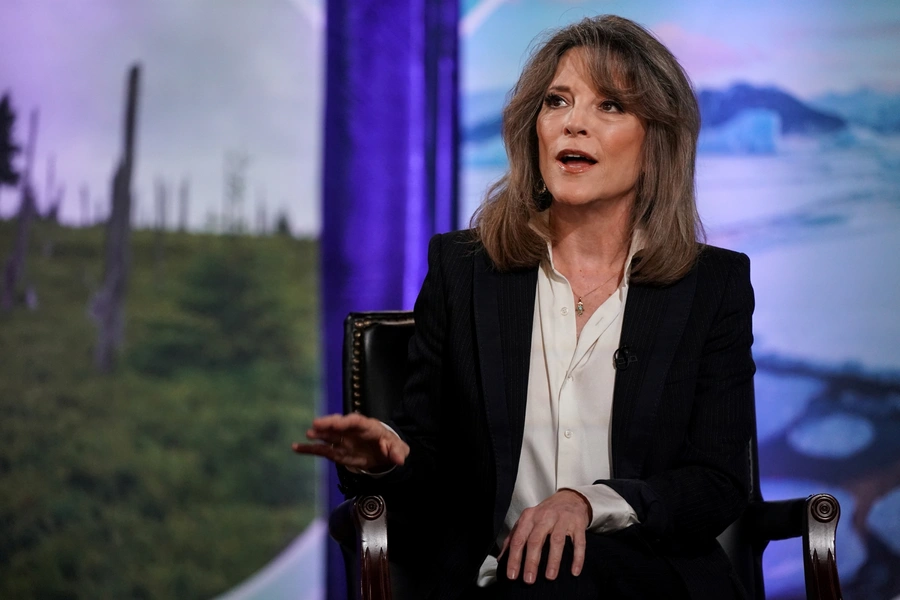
(375, 353)
(375, 358)
(375, 350)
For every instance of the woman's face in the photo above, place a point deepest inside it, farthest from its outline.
(589, 148)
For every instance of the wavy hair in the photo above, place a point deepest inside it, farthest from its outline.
(627, 64)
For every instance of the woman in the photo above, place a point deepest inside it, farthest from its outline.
(581, 377)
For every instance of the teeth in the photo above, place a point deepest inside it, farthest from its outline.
(567, 157)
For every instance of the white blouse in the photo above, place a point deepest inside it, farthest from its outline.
(569, 406)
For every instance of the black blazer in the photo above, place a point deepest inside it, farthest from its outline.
(682, 413)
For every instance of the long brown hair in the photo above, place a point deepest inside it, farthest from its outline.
(631, 66)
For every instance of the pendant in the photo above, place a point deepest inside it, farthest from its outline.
(579, 308)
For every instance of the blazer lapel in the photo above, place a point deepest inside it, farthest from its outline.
(504, 312)
(653, 325)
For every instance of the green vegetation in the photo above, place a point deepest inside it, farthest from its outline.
(173, 477)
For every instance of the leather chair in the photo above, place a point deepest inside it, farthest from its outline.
(374, 372)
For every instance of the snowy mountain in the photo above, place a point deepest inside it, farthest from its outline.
(717, 107)
(869, 108)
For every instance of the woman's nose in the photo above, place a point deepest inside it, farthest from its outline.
(575, 122)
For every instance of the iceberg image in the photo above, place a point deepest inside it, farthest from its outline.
(753, 131)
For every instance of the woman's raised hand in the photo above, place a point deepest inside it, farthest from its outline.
(354, 441)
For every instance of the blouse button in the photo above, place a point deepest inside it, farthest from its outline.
(564, 311)
(568, 433)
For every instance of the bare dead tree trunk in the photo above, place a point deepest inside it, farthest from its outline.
(56, 201)
(85, 196)
(108, 306)
(161, 194)
(184, 193)
(52, 200)
(15, 264)
(137, 220)
(143, 218)
(236, 164)
(262, 223)
(50, 185)
(52, 216)
(159, 241)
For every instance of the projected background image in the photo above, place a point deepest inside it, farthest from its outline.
(147, 406)
(799, 167)
(165, 471)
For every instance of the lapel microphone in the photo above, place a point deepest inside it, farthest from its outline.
(623, 357)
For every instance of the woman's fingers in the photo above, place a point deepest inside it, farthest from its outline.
(559, 516)
(334, 426)
(354, 441)
(580, 543)
(533, 550)
(336, 429)
(337, 454)
(516, 543)
(503, 548)
(393, 448)
(317, 449)
(558, 537)
(526, 546)
(526, 543)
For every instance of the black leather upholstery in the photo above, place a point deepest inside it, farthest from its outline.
(375, 346)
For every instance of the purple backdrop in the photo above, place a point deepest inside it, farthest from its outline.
(390, 168)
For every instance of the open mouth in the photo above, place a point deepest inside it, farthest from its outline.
(575, 158)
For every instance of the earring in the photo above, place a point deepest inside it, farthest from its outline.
(543, 198)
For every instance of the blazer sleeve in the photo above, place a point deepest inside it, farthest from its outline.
(415, 419)
(707, 485)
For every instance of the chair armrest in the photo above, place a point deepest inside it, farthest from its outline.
(819, 562)
(776, 520)
(359, 525)
(814, 519)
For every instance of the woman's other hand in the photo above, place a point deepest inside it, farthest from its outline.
(354, 441)
(564, 514)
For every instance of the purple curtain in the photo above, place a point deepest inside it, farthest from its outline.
(390, 168)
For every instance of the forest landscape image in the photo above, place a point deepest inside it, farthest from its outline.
(158, 301)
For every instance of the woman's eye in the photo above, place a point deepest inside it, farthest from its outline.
(611, 106)
(554, 100)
